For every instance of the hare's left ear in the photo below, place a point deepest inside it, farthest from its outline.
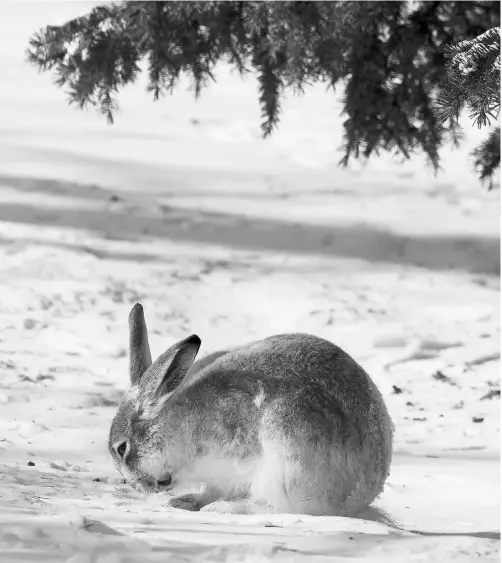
(169, 369)
(140, 358)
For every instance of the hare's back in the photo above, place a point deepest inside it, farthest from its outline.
(299, 357)
(296, 385)
(315, 390)
(297, 363)
(293, 380)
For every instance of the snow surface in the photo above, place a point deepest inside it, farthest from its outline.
(182, 207)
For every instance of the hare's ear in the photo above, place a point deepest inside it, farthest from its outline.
(140, 358)
(169, 369)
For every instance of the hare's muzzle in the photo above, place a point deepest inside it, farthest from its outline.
(165, 481)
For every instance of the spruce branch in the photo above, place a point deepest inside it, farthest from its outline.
(473, 80)
(388, 58)
(486, 157)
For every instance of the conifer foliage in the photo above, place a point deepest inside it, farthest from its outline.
(473, 81)
(388, 59)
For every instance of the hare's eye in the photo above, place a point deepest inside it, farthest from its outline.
(121, 449)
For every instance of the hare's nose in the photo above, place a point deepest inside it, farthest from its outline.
(165, 481)
(122, 448)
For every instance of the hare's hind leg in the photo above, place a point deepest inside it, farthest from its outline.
(266, 492)
(268, 486)
(307, 466)
(286, 482)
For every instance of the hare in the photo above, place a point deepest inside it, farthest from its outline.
(288, 424)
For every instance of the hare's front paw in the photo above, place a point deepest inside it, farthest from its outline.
(227, 507)
(186, 502)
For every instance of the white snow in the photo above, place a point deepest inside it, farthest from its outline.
(181, 206)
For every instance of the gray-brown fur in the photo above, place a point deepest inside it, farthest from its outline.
(290, 423)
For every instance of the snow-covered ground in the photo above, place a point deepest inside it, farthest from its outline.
(182, 207)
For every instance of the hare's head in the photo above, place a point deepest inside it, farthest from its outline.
(143, 426)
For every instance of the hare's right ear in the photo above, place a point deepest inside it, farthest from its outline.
(169, 369)
(140, 358)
